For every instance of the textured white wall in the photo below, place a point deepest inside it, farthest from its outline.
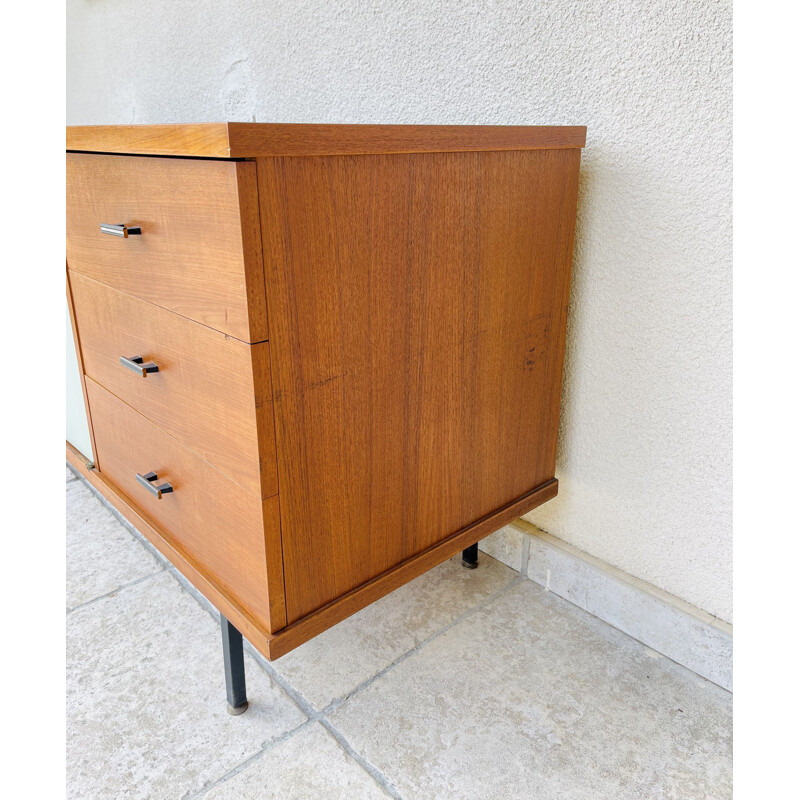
(644, 462)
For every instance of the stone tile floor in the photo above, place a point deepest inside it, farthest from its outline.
(462, 684)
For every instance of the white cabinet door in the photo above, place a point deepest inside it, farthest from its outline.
(77, 425)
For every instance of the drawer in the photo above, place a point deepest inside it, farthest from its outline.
(211, 392)
(199, 251)
(230, 535)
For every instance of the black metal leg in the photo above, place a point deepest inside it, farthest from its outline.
(233, 653)
(469, 557)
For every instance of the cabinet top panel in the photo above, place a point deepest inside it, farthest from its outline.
(254, 139)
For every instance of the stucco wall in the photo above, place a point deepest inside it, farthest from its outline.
(644, 462)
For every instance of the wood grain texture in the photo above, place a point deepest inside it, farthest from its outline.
(225, 531)
(416, 306)
(205, 140)
(199, 254)
(254, 139)
(250, 140)
(206, 393)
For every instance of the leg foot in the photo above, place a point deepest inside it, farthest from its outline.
(469, 557)
(233, 655)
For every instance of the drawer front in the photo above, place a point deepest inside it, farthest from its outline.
(199, 250)
(230, 535)
(211, 392)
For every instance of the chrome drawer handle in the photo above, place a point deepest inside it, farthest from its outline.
(120, 230)
(148, 482)
(135, 363)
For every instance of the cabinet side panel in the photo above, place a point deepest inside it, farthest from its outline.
(416, 322)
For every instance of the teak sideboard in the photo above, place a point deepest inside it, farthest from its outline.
(318, 360)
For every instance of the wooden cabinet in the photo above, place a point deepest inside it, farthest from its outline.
(354, 337)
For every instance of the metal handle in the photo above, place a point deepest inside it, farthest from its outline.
(120, 230)
(136, 364)
(148, 482)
